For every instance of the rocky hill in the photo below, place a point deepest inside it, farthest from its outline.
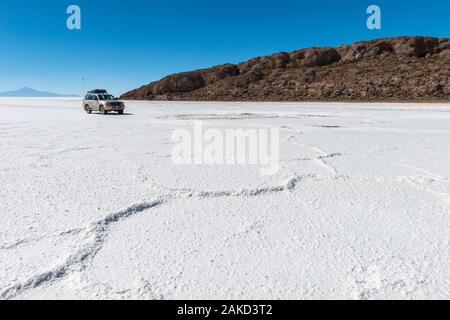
(392, 69)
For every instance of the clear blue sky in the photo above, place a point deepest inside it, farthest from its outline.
(124, 44)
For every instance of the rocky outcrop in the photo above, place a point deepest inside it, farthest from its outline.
(392, 69)
(182, 83)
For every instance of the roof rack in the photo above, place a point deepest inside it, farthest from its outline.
(98, 91)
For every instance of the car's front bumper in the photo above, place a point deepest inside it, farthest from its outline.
(114, 108)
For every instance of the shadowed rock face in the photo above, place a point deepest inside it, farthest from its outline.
(393, 69)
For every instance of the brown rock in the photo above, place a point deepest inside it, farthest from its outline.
(316, 57)
(393, 69)
(445, 54)
(360, 51)
(417, 47)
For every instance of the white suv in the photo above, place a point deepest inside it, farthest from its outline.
(100, 100)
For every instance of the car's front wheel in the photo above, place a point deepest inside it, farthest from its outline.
(87, 109)
(102, 110)
(120, 112)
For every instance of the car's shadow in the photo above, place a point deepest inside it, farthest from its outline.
(112, 114)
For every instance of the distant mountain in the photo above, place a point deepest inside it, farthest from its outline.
(28, 92)
(393, 69)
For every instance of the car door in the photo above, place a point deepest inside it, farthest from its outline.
(95, 103)
(88, 101)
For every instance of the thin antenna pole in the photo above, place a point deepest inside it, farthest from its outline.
(82, 80)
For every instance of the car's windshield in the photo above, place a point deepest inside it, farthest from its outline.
(106, 97)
